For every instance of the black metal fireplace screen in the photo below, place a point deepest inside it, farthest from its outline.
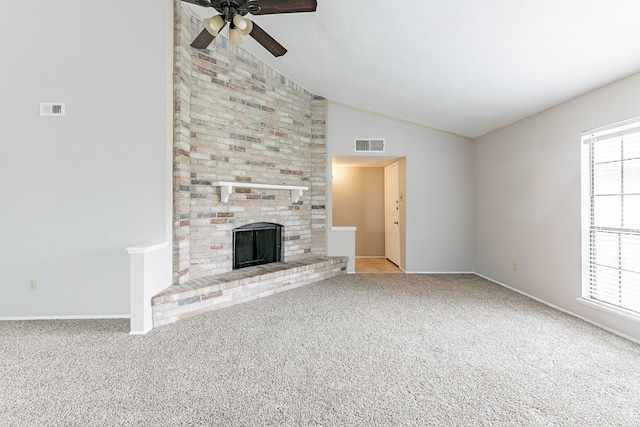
(257, 243)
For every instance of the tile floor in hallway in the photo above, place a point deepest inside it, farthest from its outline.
(376, 265)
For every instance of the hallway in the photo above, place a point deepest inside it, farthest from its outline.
(376, 265)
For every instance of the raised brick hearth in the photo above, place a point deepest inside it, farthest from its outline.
(206, 294)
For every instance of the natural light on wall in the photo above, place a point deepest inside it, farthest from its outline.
(611, 216)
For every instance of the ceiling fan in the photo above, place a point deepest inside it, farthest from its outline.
(233, 12)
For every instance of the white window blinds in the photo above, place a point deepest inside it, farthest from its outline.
(611, 216)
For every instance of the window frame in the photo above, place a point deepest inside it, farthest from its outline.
(593, 293)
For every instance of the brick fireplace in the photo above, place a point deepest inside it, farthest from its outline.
(238, 120)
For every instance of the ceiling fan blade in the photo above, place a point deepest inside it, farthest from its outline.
(267, 7)
(204, 3)
(203, 40)
(267, 41)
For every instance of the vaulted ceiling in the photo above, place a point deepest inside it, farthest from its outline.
(463, 66)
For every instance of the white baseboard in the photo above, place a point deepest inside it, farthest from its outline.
(372, 257)
(140, 332)
(613, 331)
(82, 317)
(439, 272)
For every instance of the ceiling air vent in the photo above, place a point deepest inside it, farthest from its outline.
(370, 145)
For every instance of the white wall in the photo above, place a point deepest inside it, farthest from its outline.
(528, 199)
(76, 191)
(439, 185)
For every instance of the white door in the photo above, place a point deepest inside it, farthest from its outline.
(392, 213)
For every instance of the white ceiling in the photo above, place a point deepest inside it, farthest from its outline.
(463, 66)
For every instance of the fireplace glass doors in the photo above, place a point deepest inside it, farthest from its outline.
(255, 244)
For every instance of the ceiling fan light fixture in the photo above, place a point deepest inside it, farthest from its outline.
(235, 38)
(233, 12)
(243, 25)
(214, 24)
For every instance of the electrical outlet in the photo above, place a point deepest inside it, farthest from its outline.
(33, 285)
(515, 266)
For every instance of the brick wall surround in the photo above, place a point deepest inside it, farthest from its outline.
(237, 119)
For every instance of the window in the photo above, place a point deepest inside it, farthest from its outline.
(611, 216)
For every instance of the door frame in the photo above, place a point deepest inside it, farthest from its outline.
(392, 212)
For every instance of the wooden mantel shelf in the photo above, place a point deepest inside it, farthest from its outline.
(226, 188)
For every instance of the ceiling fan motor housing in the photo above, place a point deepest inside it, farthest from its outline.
(229, 9)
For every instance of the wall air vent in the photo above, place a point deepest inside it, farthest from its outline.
(370, 145)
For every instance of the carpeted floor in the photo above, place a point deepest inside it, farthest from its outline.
(360, 350)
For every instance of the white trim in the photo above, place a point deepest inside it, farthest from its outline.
(624, 125)
(344, 228)
(371, 257)
(610, 310)
(226, 188)
(149, 273)
(439, 272)
(613, 331)
(82, 317)
(143, 332)
(146, 248)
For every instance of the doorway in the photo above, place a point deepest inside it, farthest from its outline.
(367, 193)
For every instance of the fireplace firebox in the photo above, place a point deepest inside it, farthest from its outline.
(256, 244)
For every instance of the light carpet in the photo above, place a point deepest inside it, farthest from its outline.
(356, 350)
